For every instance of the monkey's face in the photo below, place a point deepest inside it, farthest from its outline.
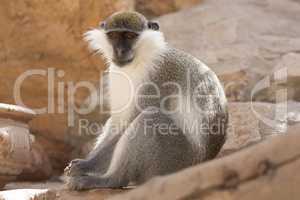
(125, 38)
(122, 43)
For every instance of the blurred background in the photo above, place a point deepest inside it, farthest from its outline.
(248, 43)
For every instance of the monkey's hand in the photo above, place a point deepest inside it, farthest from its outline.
(77, 167)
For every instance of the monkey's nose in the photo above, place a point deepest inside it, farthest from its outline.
(120, 52)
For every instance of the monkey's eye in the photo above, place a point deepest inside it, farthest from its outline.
(113, 35)
(130, 35)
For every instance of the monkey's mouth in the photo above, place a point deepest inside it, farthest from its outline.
(122, 62)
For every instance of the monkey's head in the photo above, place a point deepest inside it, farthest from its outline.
(124, 37)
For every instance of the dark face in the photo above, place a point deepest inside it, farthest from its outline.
(122, 42)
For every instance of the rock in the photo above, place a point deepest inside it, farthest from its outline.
(243, 128)
(250, 123)
(17, 113)
(59, 153)
(154, 8)
(51, 191)
(87, 126)
(21, 156)
(66, 143)
(288, 68)
(50, 131)
(240, 49)
(263, 171)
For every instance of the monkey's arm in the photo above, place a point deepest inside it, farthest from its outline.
(110, 135)
(99, 158)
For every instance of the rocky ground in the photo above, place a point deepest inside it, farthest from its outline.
(278, 147)
(253, 46)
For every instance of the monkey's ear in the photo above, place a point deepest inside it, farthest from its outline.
(153, 25)
(102, 25)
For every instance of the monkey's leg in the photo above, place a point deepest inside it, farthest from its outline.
(99, 158)
(144, 150)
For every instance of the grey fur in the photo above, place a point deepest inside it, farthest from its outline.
(139, 152)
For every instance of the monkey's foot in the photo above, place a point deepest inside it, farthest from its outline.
(77, 167)
(89, 182)
(80, 183)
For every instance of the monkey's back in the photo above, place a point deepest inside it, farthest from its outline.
(202, 104)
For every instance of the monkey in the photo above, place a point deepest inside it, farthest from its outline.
(168, 110)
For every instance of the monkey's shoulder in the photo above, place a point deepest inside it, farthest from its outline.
(181, 60)
(175, 63)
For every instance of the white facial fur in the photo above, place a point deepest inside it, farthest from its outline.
(124, 80)
(148, 46)
(98, 42)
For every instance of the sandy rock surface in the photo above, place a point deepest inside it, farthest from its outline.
(262, 171)
(22, 161)
(154, 8)
(51, 191)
